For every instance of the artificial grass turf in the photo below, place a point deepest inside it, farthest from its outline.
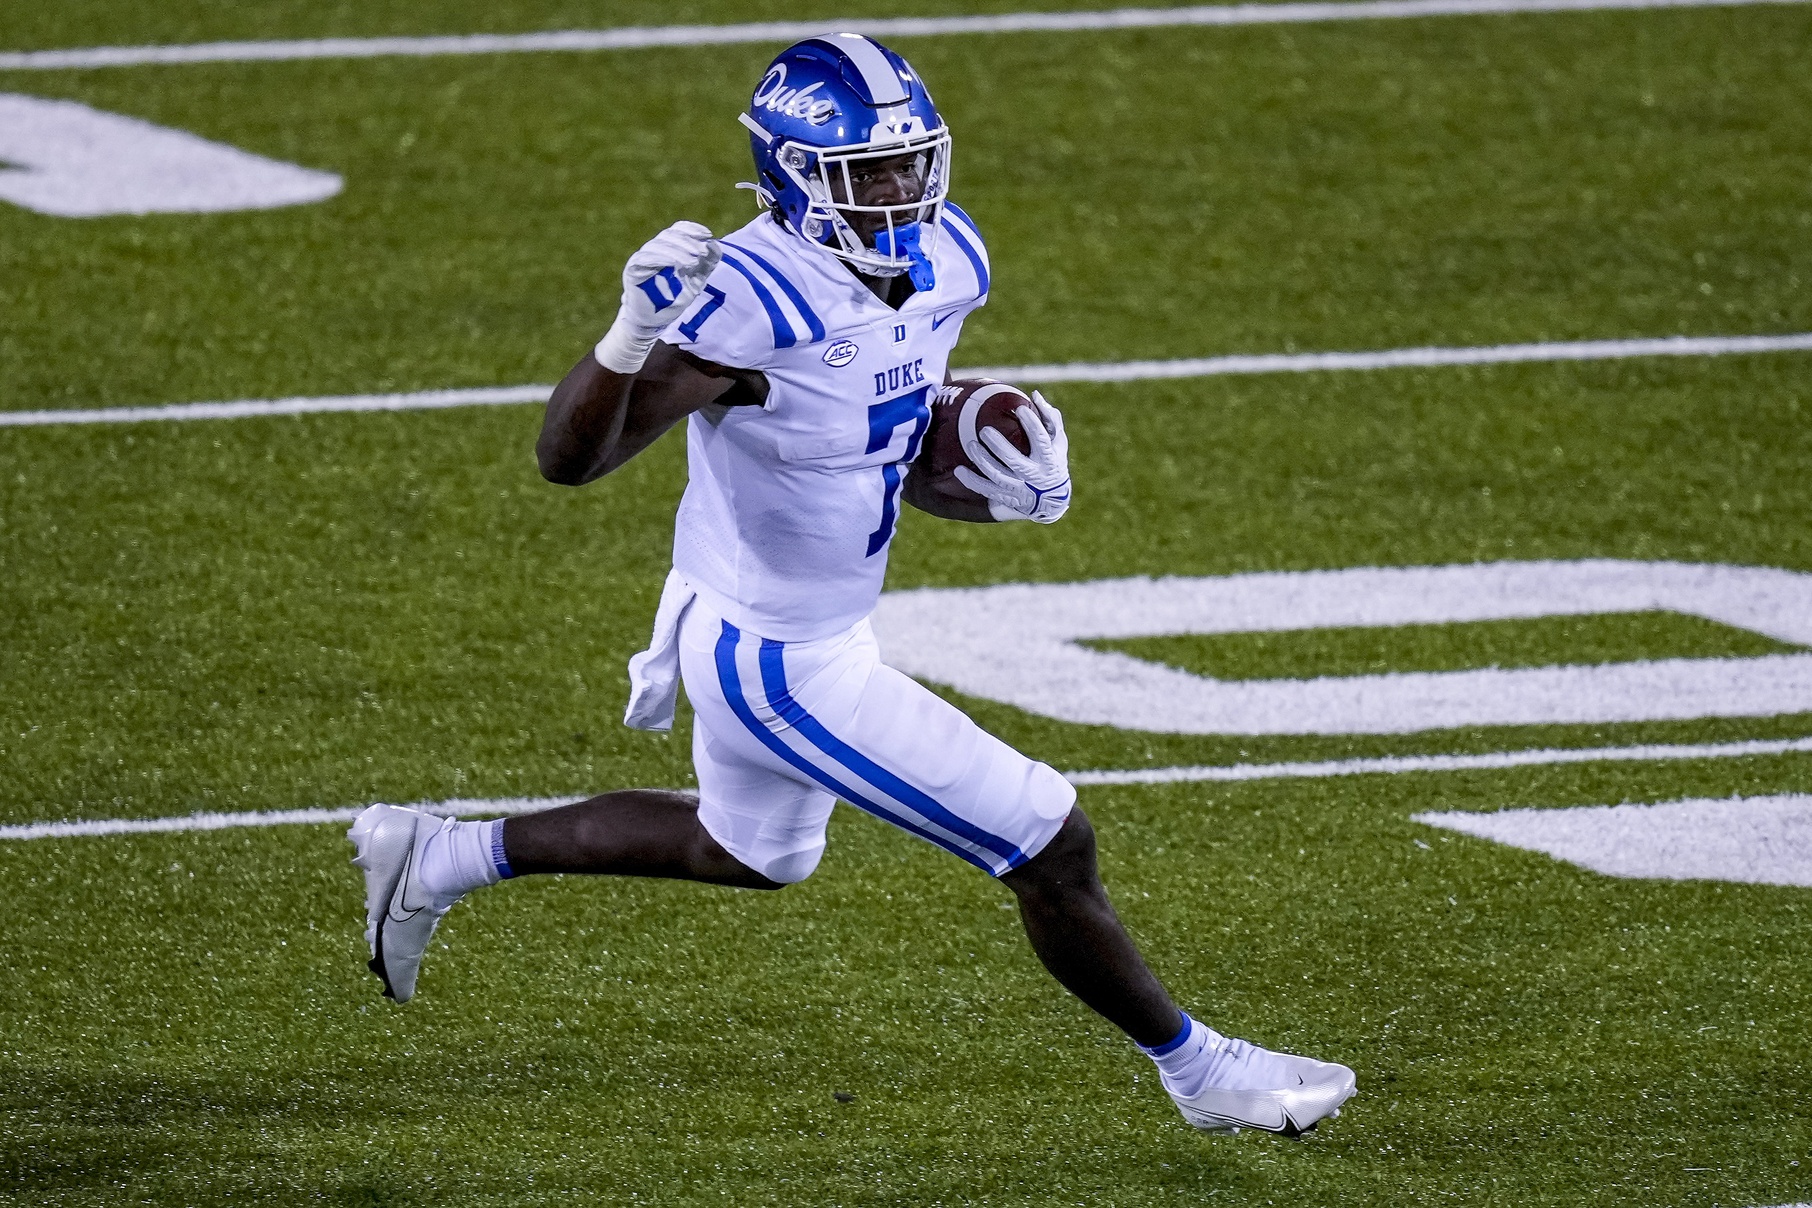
(266, 614)
(1524, 1032)
(402, 587)
(276, 613)
(1346, 186)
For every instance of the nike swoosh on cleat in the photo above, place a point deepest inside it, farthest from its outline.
(1281, 1121)
(403, 891)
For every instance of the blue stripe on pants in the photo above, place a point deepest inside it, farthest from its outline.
(773, 683)
(730, 680)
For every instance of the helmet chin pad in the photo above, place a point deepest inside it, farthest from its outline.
(903, 241)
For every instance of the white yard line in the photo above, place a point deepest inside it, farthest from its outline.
(1082, 371)
(1398, 764)
(424, 400)
(635, 38)
(1390, 765)
(208, 822)
(1401, 358)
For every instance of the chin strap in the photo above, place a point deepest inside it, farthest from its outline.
(904, 241)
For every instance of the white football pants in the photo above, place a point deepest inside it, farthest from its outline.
(785, 729)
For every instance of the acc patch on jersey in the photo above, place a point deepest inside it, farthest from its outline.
(841, 353)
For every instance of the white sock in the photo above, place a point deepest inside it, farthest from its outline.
(1186, 1061)
(1201, 1057)
(461, 857)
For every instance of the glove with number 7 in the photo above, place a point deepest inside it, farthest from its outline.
(659, 283)
(1022, 486)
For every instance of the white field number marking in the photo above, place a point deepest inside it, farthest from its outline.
(65, 159)
(1755, 840)
(1018, 644)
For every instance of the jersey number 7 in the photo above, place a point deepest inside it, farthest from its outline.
(714, 298)
(884, 420)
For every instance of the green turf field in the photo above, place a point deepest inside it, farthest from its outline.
(267, 614)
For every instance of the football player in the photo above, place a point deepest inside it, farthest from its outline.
(803, 353)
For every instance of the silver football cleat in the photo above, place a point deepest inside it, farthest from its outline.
(400, 914)
(1311, 1092)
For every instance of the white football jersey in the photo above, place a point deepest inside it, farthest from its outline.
(790, 508)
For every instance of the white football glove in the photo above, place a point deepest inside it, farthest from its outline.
(1022, 486)
(659, 283)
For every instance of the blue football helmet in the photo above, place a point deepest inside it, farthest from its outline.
(827, 102)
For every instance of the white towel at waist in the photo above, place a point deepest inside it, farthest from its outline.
(654, 674)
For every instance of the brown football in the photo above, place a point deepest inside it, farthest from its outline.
(970, 404)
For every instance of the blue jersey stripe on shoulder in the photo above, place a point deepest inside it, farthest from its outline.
(786, 286)
(968, 249)
(783, 330)
(950, 207)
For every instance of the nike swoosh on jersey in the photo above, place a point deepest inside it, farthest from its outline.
(939, 320)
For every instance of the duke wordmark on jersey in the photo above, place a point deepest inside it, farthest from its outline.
(901, 377)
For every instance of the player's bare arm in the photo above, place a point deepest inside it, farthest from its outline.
(631, 388)
(922, 495)
(598, 418)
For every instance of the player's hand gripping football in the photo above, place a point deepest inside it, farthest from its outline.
(659, 283)
(1022, 486)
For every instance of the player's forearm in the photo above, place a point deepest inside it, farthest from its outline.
(921, 495)
(584, 424)
(610, 407)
